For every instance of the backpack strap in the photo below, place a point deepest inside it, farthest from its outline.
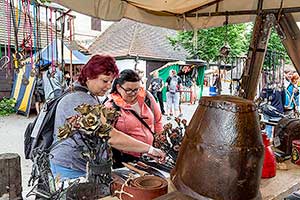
(147, 101)
(141, 120)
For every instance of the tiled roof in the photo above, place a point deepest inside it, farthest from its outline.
(4, 28)
(129, 38)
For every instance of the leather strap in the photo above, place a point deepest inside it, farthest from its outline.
(144, 187)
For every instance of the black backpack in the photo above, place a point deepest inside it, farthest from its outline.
(39, 133)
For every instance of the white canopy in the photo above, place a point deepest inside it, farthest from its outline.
(181, 14)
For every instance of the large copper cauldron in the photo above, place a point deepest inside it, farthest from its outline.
(221, 155)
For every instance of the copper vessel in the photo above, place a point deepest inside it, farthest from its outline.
(221, 156)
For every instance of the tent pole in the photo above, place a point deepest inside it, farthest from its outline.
(256, 54)
(291, 38)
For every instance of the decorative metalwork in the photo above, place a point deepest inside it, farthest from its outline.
(170, 140)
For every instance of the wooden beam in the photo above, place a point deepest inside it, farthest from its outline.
(244, 12)
(256, 55)
(290, 36)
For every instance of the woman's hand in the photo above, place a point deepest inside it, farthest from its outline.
(156, 154)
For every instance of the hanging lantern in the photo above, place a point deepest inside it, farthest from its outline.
(225, 49)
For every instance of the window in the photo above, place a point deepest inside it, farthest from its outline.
(96, 24)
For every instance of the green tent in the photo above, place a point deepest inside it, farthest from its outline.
(164, 74)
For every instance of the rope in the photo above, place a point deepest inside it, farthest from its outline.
(56, 55)
(8, 31)
(47, 36)
(34, 29)
(51, 40)
(71, 67)
(30, 34)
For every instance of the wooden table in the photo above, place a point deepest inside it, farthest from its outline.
(276, 188)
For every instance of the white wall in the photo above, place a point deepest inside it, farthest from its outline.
(130, 63)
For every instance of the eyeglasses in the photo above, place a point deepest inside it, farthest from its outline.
(131, 91)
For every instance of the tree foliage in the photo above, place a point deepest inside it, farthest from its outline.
(209, 41)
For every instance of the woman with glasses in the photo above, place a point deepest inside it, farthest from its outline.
(96, 79)
(138, 118)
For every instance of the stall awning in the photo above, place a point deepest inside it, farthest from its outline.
(181, 14)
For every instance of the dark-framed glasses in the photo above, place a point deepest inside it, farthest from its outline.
(131, 91)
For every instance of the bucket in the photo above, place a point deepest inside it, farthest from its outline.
(296, 152)
(212, 91)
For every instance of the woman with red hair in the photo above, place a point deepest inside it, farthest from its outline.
(96, 78)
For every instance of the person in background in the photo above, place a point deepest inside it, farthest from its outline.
(173, 85)
(137, 119)
(292, 93)
(142, 77)
(67, 78)
(287, 77)
(53, 82)
(156, 86)
(276, 98)
(96, 77)
(194, 92)
(39, 93)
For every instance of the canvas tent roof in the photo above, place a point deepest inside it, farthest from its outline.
(77, 57)
(128, 38)
(181, 14)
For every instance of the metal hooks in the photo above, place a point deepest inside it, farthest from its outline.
(5, 60)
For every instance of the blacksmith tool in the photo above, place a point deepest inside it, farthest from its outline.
(133, 168)
(142, 166)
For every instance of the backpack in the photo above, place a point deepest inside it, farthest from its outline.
(39, 133)
(173, 86)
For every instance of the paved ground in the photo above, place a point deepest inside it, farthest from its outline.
(12, 130)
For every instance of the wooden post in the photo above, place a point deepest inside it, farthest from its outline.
(256, 55)
(10, 176)
(290, 36)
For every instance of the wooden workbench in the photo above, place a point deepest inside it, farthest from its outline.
(276, 188)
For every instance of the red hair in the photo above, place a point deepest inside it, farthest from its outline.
(97, 65)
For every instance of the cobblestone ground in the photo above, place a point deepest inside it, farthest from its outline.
(12, 136)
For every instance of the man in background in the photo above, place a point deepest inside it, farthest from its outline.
(155, 87)
(53, 82)
(173, 85)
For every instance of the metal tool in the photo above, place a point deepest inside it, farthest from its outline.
(142, 166)
(133, 168)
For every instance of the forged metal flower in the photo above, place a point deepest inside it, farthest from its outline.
(89, 122)
(111, 115)
(64, 131)
(104, 130)
(84, 109)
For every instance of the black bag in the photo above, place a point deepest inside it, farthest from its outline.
(39, 133)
